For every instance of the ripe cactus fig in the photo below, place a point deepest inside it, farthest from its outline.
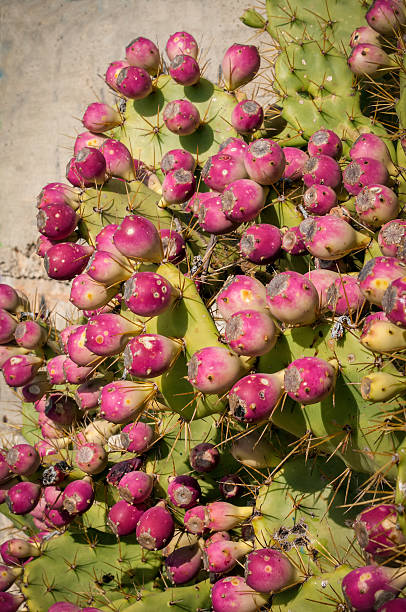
(214, 369)
(194, 520)
(212, 218)
(344, 296)
(376, 276)
(184, 563)
(377, 531)
(135, 487)
(181, 117)
(330, 237)
(21, 369)
(292, 299)
(249, 332)
(368, 59)
(240, 64)
(119, 161)
(222, 169)
(230, 486)
(140, 436)
(247, 116)
(177, 159)
(292, 241)
(325, 142)
(364, 34)
(243, 200)
(78, 496)
(362, 172)
(134, 83)
(143, 53)
(178, 186)
(295, 160)
(222, 556)
(366, 588)
(261, 243)
(233, 593)
(185, 70)
(386, 16)
(91, 458)
(267, 570)
(253, 398)
(392, 239)
(376, 205)
(222, 516)
(264, 161)
(108, 333)
(148, 294)
(155, 527)
(110, 77)
(173, 244)
(121, 401)
(184, 491)
(181, 43)
(371, 146)
(138, 237)
(321, 170)
(65, 260)
(319, 199)
(87, 294)
(394, 301)
(23, 497)
(56, 221)
(10, 602)
(381, 335)
(310, 379)
(100, 118)
(123, 517)
(8, 575)
(23, 459)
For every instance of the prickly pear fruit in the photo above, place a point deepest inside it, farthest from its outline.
(261, 243)
(214, 369)
(155, 527)
(240, 64)
(181, 117)
(295, 160)
(177, 159)
(250, 332)
(319, 199)
(91, 458)
(268, 570)
(253, 398)
(138, 237)
(376, 205)
(184, 70)
(194, 520)
(247, 116)
(122, 400)
(392, 239)
(222, 169)
(344, 296)
(376, 530)
(181, 43)
(23, 497)
(100, 118)
(222, 556)
(184, 563)
(310, 379)
(233, 593)
(321, 170)
(204, 457)
(394, 301)
(78, 496)
(184, 491)
(143, 53)
(23, 459)
(325, 142)
(330, 237)
(292, 298)
(135, 487)
(376, 276)
(148, 294)
(222, 516)
(366, 588)
(134, 83)
(264, 161)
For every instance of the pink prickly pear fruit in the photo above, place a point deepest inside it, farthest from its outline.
(143, 53)
(60, 408)
(49, 429)
(107, 269)
(233, 593)
(181, 117)
(91, 458)
(344, 296)
(19, 549)
(376, 276)
(322, 170)
(10, 602)
(43, 245)
(75, 374)
(230, 486)
(268, 570)
(10, 351)
(5, 472)
(214, 369)
(45, 449)
(139, 436)
(78, 496)
(155, 527)
(261, 243)
(184, 563)
(295, 160)
(234, 146)
(222, 169)
(319, 199)
(223, 516)
(8, 575)
(364, 34)
(105, 240)
(91, 165)
(56, 221)
(247, 116)
(178, 159)
(368, 59)
(184, 70)
(222, 556)
(178, 186)
(194, 520)
(21, 369)
(64, 606)
(386, 16)
(121, 468)
(59, 193)
(212, 218)
(292, 299)
(240, 64)
(394, 605)
(309, 380)
(325, 142)
(184, 491)
(57, 518)
(253, 398)
(243, 200)
(119, 161)
(181, 43)
(53, 497)
(121, 401)
(66, 260)
(394, 302)
(100, 118)
(371, 146)
(7, 326)
(36, 388)
(150, 355)
(148, 294)
(74, 176)
(173, 244)
(376, 205)
(250, 332)
(241, 293)
(377, 531)
(30, 334)
(366, 588)
(87, 294)
(23, 497)
(362, 172)
(196, 201)
(9, 298)
(87, 394)
(107, 333)
(392, 239)
(138, 237)
(64, 336)
(264, 161)
(204, 457)
(112, 73)
(76, 349)
(331, 237)
(87, 139)
(135, 487)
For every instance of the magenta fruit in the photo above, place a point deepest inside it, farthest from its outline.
(194, 520)
(242, 200)
(108, 333)
(247, 116)
(5, 473)
(100, 117)
(7, 326)
(139, 436)
(392, 239)
(376, 276)
(138, 237)
(376, 205)
(292, 298)
(23, 459)
(241, 293)
(150, 355)
(233, 593)
(91, 165)
(344, 296)
(85, 139)
(253, 398)
(119, 161)
(148, 294)
(87, 394)
(177, 159)
(261, 243)
(325, 142)
(91, 458)
(9, 351)
(377, 531)
(230, 486)
(118, 470)
(204, 457)
(394, 605)
(74, 176)
(60, 408)
(364, 34)
(110, 77)
(222, 169)
(264, 161)
(30, 334)
(155, 527)
(310, 379)
(105, 240)
(240, 64)
(8, 575)
(184, 563)
(362, 172)
(123, 517)
(19, 549)
(184, 70)
(319, 199)
(371, 146)
(268, 570)
(56, 221)
(135, 487)
(178, 186)
(121, 401)
(250, 332)
(64, 606)
(394, 301)
(134, 83)
(21, 369)
(295, 160)
(181, 43)
(214, 369)
(173, 244)
(87, 294)
(66, 260)
(331, 237)
(368, 59)
(212, 218)
(143, 53)
(10, 602)
(222, 516)
(222, 556)
(183, 491)
(234, 146)
(58, 518)
(321, 170)
(386, 16)
(53, 497)
(181, 117)
(60, 193)
(9, 299)
(78, 496)
(105, 268)
(23, 497)
(367, 588)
